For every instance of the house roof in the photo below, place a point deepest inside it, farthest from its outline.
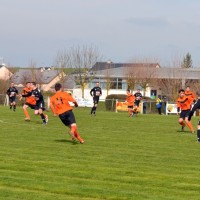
(149, 72)
(109, 65)
(24, 75)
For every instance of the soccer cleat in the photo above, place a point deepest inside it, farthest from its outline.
(44, 122)
(182, 128)
(193, 132)
(46, 118)
(27, 119)
(81, 141)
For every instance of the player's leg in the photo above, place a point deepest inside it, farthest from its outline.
(181, 122)
(27, 116)
(42, 116)
(73, 132)
(198, 132)
(14, 105)
(189, 124)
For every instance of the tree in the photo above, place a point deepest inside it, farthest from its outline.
(187, 61)
(81, 60)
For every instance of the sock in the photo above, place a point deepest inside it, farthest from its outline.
(26, 113)
(182, 124)
(43, 117)
(14, 107)
(198, 135)
(190, 126)
(74, 131)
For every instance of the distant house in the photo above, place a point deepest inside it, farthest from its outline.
(45, 78)
(114, 78)
(5, 73)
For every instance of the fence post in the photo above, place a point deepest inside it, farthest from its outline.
(116, 105)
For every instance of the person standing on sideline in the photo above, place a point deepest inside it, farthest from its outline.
(130, 99)
(12, 92)
(159, 105)
(184, 104)
(195, 107)
(95, 93)
(60, 106)
(144, 106)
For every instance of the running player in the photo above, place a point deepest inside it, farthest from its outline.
(195, 107)
(184, 104)
(95, 93)
(130, 99)
(29, 101)
(60, 106)
(39, 107)
(190, 94)
(12, 92)
(138, 97)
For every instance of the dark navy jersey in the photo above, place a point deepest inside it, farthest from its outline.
(12, 91)
(96, 92)
(36, 94)
(138, 96)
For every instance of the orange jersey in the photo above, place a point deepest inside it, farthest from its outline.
(190, 94)
(130, 98)
(59, 102)
(184, 103)
(31, 100)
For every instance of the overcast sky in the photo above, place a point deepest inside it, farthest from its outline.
(122, 30)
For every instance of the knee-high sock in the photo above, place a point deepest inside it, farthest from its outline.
(74, 131)
(26, 113)
(190, 126)
(182, 123)
(43, 117)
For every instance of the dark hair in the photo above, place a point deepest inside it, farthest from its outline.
(28, 82)
(181, 90)
(33, 83)
(57, 86)
(128, 90)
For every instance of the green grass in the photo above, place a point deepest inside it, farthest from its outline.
(140, 158)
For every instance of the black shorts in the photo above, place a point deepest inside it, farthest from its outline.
(130, 107)
(67, 118)
(137, 103)
(12, 99)
(96, 100)
(40, 105)
(30, 105)
(184, 114)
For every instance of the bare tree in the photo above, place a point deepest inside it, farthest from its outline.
(81, 60)
(63, 66)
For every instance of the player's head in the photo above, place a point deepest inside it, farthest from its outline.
(188, 88)
(138, 90)
(58, 86)
(181, 92)
(97, 84)
(128, 91)
(33, 85)
(12, 84)
(28, 84)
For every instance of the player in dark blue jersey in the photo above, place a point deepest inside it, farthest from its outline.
(12, 92)
(95, 93)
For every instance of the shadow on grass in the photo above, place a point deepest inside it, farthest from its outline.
(67, 141)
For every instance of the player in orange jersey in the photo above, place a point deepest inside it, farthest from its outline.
(29, 101)
(184, 104)
(190, 94)
(59, 104)
(130, 99)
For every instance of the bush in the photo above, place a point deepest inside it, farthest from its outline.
(110, 102)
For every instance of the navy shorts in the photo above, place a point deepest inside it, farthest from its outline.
(30, 105)
(96, 100)
(12, 99)
(40, 105)
(67, 118)
(184, 114)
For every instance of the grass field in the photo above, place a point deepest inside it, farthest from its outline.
(140, 158)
